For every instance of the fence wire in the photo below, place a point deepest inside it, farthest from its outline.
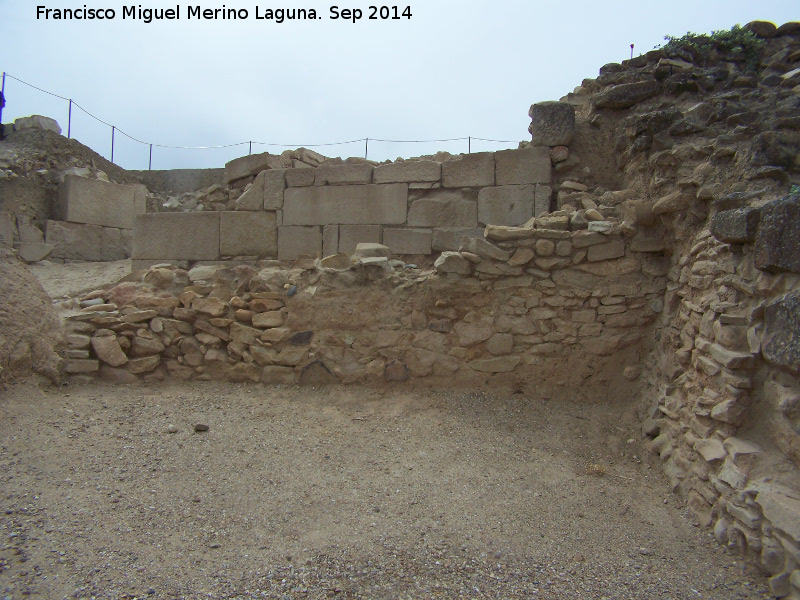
(250, 143)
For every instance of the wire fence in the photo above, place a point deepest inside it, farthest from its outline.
(467, 143)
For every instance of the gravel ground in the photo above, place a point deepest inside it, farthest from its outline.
(339, 493)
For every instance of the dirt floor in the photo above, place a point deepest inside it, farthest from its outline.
(340, 492)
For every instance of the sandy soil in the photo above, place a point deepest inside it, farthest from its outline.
(339, 492)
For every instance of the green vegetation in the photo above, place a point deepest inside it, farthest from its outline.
(795, 189)
(736, 44)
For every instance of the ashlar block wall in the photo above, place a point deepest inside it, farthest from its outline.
(416, 207)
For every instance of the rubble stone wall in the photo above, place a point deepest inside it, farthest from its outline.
(533, 309)
(731, 356)
(416, 207)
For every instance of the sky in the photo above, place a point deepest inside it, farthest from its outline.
(453, 69)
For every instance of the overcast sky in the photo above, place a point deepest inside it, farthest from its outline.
(454, 69)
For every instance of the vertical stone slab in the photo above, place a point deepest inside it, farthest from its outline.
(294, 241)
(116, 243)
(408, 241)
(274, 185)
(352, 235)
(527, 165)
(510, 205)
(248, 234)
(469, 170)
(176, 236)
(330, 240)
(541, 204)
(96, 202)
(346, 205)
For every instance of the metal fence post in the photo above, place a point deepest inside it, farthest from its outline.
(113, 130)
(3, 93)
(150, 164)
(249, 152)
(69, 121)
(366, 148)
(469, 145)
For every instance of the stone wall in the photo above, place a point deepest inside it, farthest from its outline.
(731, 355)
(416, 207)
(531, 308)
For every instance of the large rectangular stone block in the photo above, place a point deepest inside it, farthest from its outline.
(96, 202)
(294, 241)
(116, 243)
(75, 241)
(246, 166)
(346, 205)
(248, 234)
(526, 165)
(408, 171)
(300, 177)
(266, 193)
(330, 240)
(469, 170)
(506, 205)
(351, 235)
(449, 238)
(176, 236)
(408, 241)
(444, 208)
(8, 228)
(343, 175)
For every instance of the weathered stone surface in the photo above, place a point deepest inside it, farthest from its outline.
(503, 233)
(144, 364)
(710, 449)
(780, 343)
(278, 375)
(452, 262)
(75, 241)
(300, 177)
(248, 234)
(583, 239)
(500, 364)
(524, 166)
(777, 246)
(371, 250)
(33, 252)
(352, 235)
(443, 208)
(408, 171)
(500, 344)
(552, 123)
(449, 238)
(510, 205)
(37, 122)
(484, 249)
(176, 236)
(396, 371)
(145, 346)
(408, 241)
(384, 204)
(107, 349)
(239, 168)
(469, 170)
(781, 510)
(339, 262)
(607, 251)
(117, 376)
(296, 241)
(343, 175)
(76, 365)
(470, 334)
(673, 202)
(626, 95)
(316, 373)
(738, 226)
